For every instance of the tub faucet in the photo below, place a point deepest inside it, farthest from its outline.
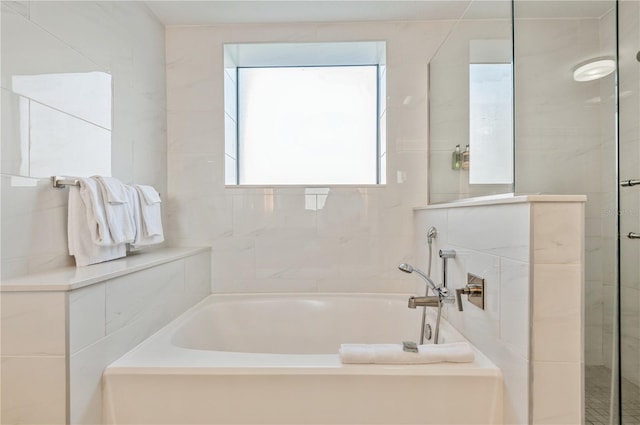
(438, 300)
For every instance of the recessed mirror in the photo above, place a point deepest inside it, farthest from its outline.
(471, 106)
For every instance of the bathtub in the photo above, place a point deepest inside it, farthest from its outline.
(272, 359)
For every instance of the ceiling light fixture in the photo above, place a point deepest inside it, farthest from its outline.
(594, 69)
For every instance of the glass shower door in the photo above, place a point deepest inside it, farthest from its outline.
(628, 401)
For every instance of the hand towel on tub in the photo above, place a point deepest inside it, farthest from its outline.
(457, 352)
(86, 223)
(147, 216)
(118, 211)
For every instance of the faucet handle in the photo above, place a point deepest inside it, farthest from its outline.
(474, 291)
(459, 293)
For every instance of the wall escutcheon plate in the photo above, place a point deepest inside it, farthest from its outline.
(476, 290)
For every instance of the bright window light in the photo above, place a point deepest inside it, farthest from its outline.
(307, 125)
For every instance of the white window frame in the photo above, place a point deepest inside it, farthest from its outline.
(300, 55)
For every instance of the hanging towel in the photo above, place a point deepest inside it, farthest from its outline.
(140, 207)
(96, 218)
(82, 227)
(150, 211)
(118, 211)
(457, 352)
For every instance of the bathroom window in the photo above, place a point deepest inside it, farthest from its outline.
(301, 114)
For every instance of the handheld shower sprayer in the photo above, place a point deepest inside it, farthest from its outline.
(408, 268)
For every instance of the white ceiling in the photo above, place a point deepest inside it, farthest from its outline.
(211, 12)
(241, 11)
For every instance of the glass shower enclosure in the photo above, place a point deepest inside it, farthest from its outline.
(576, 130)
(577, 115)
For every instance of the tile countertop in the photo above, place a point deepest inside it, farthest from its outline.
(69, 278)
(508, 198)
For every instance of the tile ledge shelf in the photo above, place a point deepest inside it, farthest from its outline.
(70, 278)
(508, 198)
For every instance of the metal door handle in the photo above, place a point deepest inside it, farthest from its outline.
(633, 235)
(628, 183)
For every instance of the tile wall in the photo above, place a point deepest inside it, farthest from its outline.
(122, 39)
(531, 257)
(55, 344)
(296, 239)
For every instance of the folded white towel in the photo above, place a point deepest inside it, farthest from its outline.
(117, 209)
(457, 352)
(82, 228)
(150, 211)
(143, 238)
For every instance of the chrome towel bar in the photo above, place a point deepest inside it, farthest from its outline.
(60, 182)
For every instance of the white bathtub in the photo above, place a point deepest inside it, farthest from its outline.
(272, 359)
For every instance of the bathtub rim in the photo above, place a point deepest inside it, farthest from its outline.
(158, 356)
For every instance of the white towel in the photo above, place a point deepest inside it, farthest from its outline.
(96, 218)
(118, 211)
(149, 194)
(142, 233)
(457, 352)
(81, 232)
(150, 211)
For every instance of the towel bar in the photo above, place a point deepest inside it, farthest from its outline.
(60, 182)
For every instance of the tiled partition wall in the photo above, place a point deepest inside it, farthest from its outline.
(122, 39)
(293, 239)
(56, 342)
(529, 250)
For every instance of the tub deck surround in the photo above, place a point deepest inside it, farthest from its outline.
(71, 277)
(61, 329)
(502, 199)
(193, 372)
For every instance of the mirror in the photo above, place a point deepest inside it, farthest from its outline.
(58, 124)
(471, 106)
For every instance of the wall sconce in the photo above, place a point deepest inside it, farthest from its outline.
(594, 69)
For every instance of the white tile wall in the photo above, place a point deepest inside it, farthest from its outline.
(283, 239)
(88, 306)
(34, 390)
(123, 39)
(34, 368)
(134, 306)
(56, 344)
(532, 322)
(33, 324)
